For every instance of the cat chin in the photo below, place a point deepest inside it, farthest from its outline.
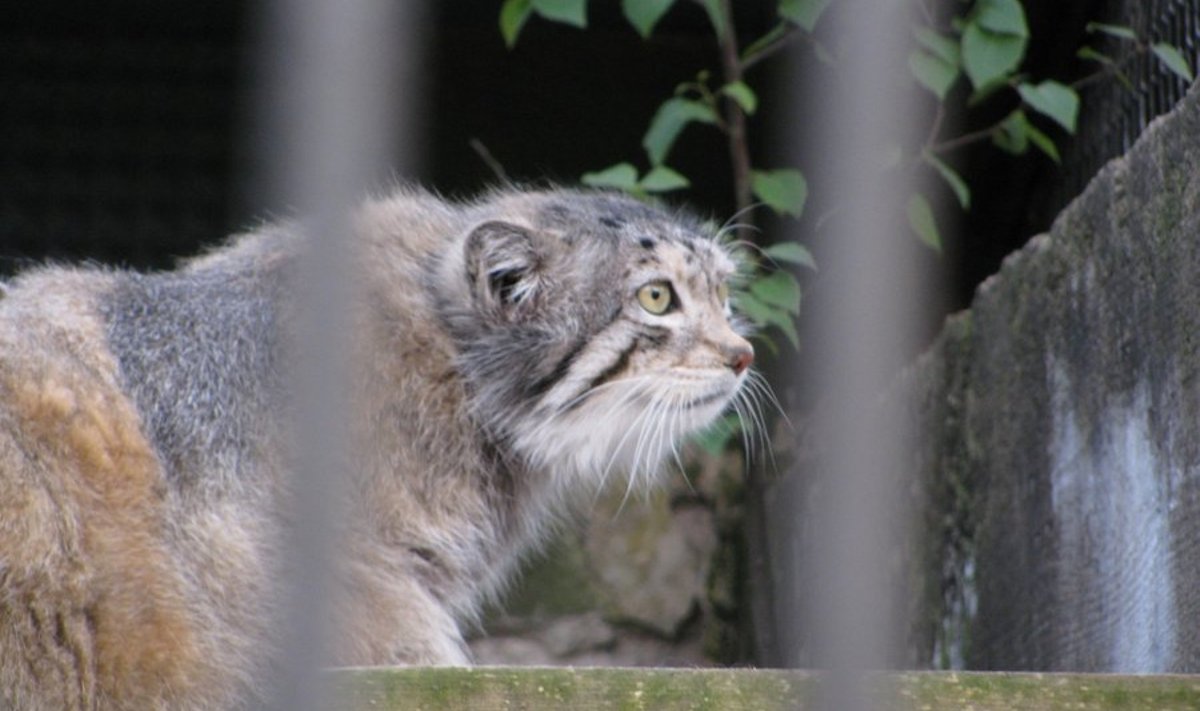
(591, 451)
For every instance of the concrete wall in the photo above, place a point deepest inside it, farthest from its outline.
(1062, 451)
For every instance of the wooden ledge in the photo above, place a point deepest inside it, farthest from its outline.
(601, 689)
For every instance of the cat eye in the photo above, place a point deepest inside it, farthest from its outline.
(655, 297)
(723, 294)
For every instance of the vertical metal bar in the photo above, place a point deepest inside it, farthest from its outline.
(333, 72)
(851, 622)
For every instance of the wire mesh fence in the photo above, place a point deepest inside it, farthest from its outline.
(1114, 114)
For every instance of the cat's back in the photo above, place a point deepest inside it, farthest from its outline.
(83, 573)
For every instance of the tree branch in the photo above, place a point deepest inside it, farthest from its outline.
(735, 122)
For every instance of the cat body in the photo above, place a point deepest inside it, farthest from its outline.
(508, 355)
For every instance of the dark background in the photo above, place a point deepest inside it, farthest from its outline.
(124, 135)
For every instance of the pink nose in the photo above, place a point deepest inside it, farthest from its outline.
(740, 360)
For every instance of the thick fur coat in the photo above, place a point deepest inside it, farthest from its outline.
(502, 363)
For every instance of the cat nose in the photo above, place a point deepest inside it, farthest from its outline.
(739, 358)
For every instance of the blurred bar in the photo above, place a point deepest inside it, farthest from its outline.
(851, 620)
(332, 72)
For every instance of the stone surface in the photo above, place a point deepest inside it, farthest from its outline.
(652, 561)
(646, 580)
(1082, 410)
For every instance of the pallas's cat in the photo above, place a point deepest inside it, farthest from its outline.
(508, 354)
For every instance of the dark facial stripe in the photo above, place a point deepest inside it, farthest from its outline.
(540, 386)
(612, 371)
(618, 366)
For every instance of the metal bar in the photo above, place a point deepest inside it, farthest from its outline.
(853, 624)
(332, 70)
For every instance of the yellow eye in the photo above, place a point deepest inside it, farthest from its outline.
(723, 293)
(655, 297)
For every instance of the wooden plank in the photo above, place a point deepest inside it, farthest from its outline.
(602, 689)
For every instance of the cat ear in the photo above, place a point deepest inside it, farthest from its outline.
(504, 265)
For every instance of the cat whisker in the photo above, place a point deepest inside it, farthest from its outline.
(757, 381)
(651, 414)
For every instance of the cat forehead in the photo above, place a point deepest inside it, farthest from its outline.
(650, 234)
(681, 254)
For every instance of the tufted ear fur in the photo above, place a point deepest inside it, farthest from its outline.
(505, 265)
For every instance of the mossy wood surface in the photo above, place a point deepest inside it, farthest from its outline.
(512, 689)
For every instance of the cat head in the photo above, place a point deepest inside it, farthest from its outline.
(598, 330)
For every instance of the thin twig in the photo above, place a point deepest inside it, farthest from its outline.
(789, 36)
(967, 138)
(735, 118)
(488, 159)
(936, 128)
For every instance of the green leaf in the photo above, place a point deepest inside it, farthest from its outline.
(785, 323)
(743, 95)
(1174, 60)
(989, 56)
(952, 178)
(804, 13)
(784, 191)
(662, 179)
(1119, 31)
(1052, 99)
(763, 315)
(621, 176)
(1013, 134)
(645, 14)
(1043, 142)
(791, 253)
(513, 14)
(932, 72)
(773, 35)
(1086, 52)
(716, 17)
(940, 45)
(921, 222)
(568, 12)
(1002, 17)
(779, 289)
(758, 312)
(667, 123)
(1016, 133)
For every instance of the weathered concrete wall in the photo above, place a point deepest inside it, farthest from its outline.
(1063, 453)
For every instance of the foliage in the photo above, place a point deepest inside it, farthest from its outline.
(971, 58)
(770, 296)
(986, 44)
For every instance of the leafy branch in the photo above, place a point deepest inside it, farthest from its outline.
(984, 46)
(987, 44)
(770, 297)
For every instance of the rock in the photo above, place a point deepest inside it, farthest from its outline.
(569, 636)
(651, 562)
